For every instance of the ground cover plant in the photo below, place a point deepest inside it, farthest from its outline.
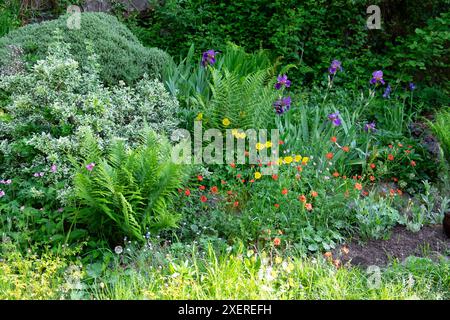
(118, 178)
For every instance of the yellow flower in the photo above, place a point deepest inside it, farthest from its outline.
(258, 175)
(260, 146)
(234, 132)
(288, 159)
(278, 260)
(242, 135)
(268, 144)
(298, 158)
(305, 159)
(199, 116)
(226, 122)
(280, 161)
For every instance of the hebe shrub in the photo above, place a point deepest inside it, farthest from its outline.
(119, 52)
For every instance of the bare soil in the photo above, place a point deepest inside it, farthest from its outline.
(430, 242)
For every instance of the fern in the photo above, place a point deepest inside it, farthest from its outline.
(128, 191)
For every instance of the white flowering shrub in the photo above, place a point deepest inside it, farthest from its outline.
(51, 109)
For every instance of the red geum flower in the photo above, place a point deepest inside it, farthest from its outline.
(329, 155)
(373, 166)
(200, 178)
(314, 194)
(372, 178)
(202, 187)
(365, 193)
(390, 146)
(400, 145)
(187, 192)
(308, 206)
(280, 142)
(284, 191)
(233, 165)
(390, 157)
(394, 179)
(276, 242)
(214, 189)
(407, 151)
(275, 177)
(236, 204)
(392, 192)
(333, 139)
(345, 148)
(238, 176)
(399, 192)
(299, 168)
(203, 199)
(223, 182)
(276, 205)
(336, 174)
(302, 198)
(358, 186)
(253, 180)
(413, 163)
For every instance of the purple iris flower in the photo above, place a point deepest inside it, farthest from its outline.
(209, 57)
(282, 105)
(282, 81)
(369, 127)
(377, 76)
(412, 86)
(334, 117)
(387, 92)
(335, 66)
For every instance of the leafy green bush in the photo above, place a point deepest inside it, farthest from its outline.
(442, 129)
(128, 191)
(9, 16)
(120, 54)
(48, 113)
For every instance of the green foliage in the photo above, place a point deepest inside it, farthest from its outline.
(9, 16)
(128, 191)
(119, 53)
(48, 113)
(442, 130)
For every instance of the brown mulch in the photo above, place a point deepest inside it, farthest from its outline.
(430, 242)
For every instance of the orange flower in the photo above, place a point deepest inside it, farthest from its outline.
(275, 177)
(299, 168)
(236, 204)
(392, 192)
(333, 139)
(372, 165)
(400, 145)
(372, 178)
(302, 198)
(202, 187)
(337, 263)
(308, 206)
(187, 192)
(276, 241)
(284, 191)
(200, 178)
(345, 250)
(328, 255)
(358, 186)
(399, 192)
(413, 163)
(390, 157)
(280, 142)
(346, 149)
(233, 165)
(214, 189)
(314, 194)
(329, 155)
(203, 199)
(336, 174)
(276, 205)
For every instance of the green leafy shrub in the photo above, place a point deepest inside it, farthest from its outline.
(48, 113)
(9, 16)
(128, 192)
(119, 52)
(442, 129)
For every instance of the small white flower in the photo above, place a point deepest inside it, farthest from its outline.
(118, 249)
